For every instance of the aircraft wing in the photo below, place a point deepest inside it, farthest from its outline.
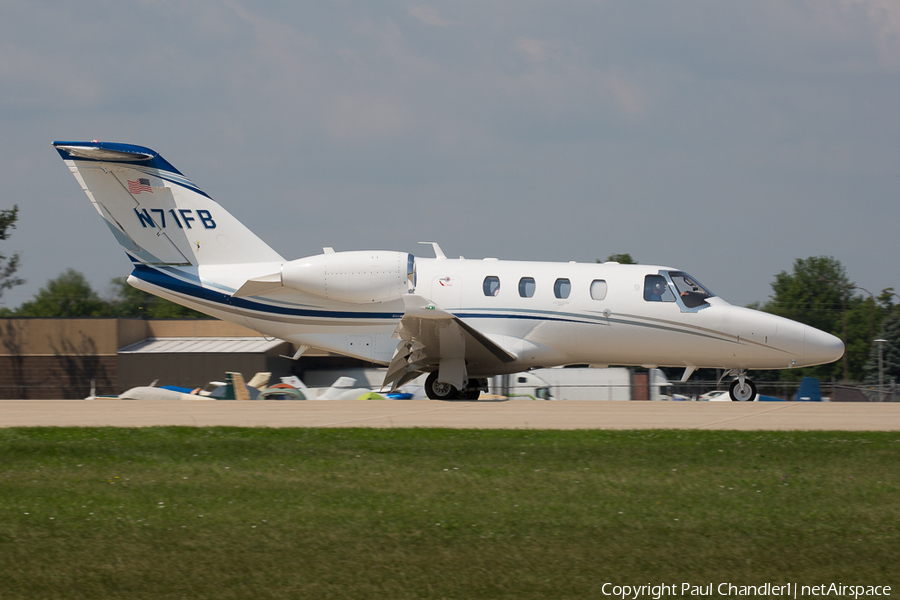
(431, 337)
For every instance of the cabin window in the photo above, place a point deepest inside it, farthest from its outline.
(656, 289)
(491, 285)
(562, 288)
(526, 287)
(598, 289)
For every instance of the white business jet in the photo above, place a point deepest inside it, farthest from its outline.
(461, 321)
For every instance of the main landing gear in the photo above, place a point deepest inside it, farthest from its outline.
(440, 390)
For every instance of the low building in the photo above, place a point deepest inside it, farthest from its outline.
(51, 358)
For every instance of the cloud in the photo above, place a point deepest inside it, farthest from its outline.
(561, 79)
(852, 32)
(884, 13)
(35, 79)
(630, 97)
(428, 15)
(361, 119)
(591, 107)
(535, 50)
(885, 18)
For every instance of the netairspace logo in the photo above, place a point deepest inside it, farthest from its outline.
(728, 590)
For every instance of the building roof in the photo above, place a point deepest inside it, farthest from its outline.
(202, 345)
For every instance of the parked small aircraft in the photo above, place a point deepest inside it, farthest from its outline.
(459, 320)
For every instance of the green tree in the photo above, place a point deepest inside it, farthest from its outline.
(8, 266)
(890, 332)
(69, 295)
(886, 305)
(132, 302)
(624, 259)
(819, 293)
(813, 293)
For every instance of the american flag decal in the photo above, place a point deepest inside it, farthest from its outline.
(141, 185)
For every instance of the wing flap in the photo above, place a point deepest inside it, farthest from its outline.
(432, 338)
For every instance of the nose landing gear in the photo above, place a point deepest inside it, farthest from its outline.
(742, 390)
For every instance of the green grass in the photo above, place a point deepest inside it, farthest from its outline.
(426, 513)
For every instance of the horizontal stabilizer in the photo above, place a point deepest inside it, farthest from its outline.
(104, 154)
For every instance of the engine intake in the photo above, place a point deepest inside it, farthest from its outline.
(360, 277)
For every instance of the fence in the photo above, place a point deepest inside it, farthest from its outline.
(69, 383)
(641, 389)
(831, 391)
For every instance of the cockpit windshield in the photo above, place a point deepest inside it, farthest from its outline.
(692, 293)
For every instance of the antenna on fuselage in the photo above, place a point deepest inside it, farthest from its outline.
(438, 253)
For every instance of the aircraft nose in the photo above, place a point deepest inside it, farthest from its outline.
(820, 348)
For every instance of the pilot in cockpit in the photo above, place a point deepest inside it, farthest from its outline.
(691, 293)
(654, 288)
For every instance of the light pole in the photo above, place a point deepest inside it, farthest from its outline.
(844, 289)
(880, 343)
(871, 310)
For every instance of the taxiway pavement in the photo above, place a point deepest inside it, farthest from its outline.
(483, 414)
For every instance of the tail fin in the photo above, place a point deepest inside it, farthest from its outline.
(810, 390)
(157, 214)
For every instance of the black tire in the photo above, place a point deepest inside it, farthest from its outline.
(470, 394)
(439, 391)
(745, 394)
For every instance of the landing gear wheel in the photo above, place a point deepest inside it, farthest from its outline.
(470, 394)
(439, 390)
(473, 389)
(742, 393)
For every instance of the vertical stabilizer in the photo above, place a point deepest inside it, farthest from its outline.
(157, 214)
(809, 391)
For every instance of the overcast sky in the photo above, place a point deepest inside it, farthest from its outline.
(723, 138)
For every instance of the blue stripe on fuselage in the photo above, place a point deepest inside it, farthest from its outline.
(185, 288)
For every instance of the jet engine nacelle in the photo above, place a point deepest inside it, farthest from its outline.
(361, 277)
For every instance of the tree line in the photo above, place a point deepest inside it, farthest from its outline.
(819, 293)
(70, 294)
